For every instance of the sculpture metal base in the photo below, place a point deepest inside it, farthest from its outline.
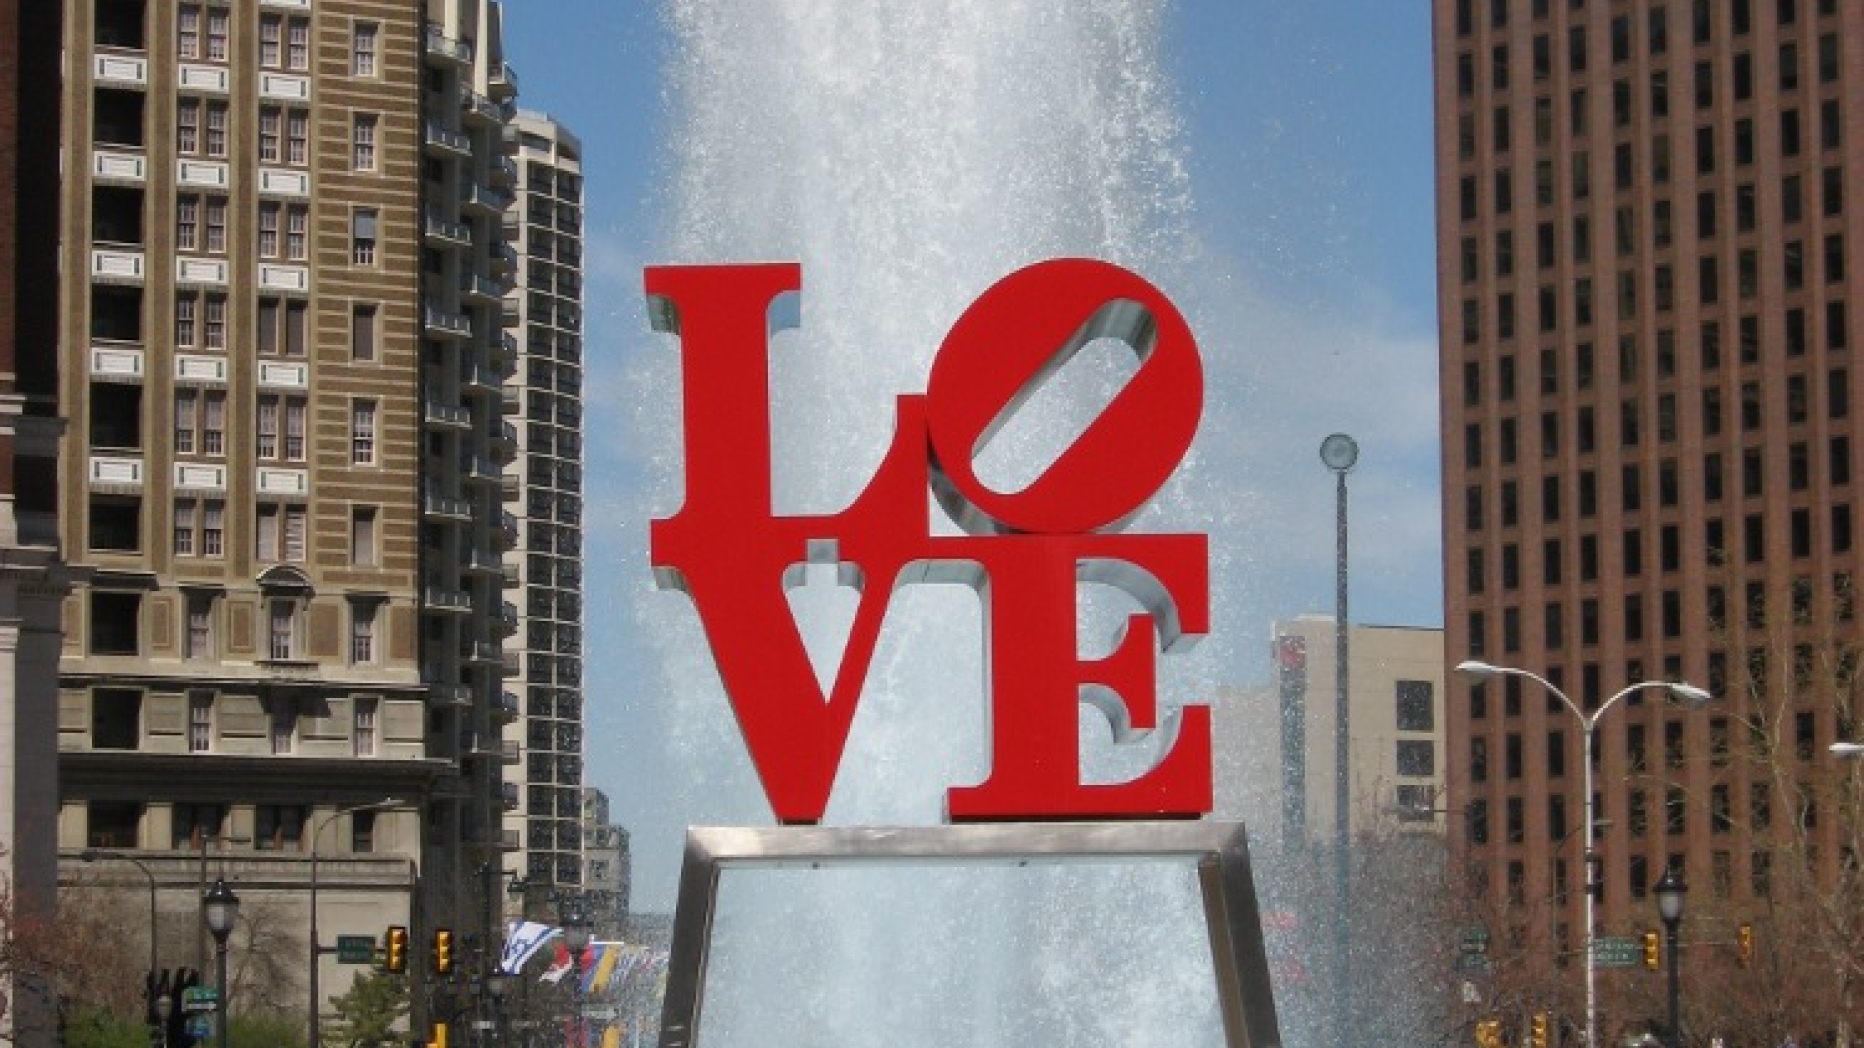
(1218, 850)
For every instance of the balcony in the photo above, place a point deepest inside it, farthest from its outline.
(442, 142)
(509, 750)
(505, 441)
(117, 362)
(503, 81)
(120, 70)
(513, 662)
(486, 201)
(440, 321)
(508, 617)
(505, 706)
(115, 472)
(478, 380)
(508, 795)
(503, 347)
(510, 840)
(504, 259)
(451, 601)
(437, 505)
(479, 562)
(475, 106)
(478, 469)
(280, 182)
(445, 416)
(504, 172)
(436, 229)
(123, 264)
(479, 747)
(484, 290)
(112, 165)
(202, 174)
(481, 652)
(446, 49)
(199, 271)
(284, 278)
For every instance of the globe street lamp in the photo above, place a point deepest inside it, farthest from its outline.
(317, 945)
(1670, 890)
(221, 908)
(1340, 453)
(1690, 695)
(497, 985)
(576, 940)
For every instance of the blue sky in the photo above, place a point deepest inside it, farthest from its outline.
(1308, 139)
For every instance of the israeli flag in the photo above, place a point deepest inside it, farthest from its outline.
(522, 941)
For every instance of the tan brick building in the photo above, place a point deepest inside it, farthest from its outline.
(282, 346)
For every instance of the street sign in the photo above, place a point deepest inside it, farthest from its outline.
(200, 999)
(1616, 951)
(201, 1028)
(600, 1015)
(355, 949)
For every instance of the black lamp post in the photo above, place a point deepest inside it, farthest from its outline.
(1670, 891)
(497, 984)
(221, 909)
(576, 939)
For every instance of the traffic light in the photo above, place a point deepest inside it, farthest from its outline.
(395, 957)
(443, 951)
(1653, 951)
(1540, 1030)
(1489, 1033)
(440, 1036)
(1744, 940)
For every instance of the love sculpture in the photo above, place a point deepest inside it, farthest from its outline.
(1025, 552)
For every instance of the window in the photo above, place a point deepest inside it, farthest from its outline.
(188, 31)
(363, 331)
(362, 237)
(298, 45)
(362, 733)
(1416, 705)
(294, 429)
(201, 724)
(216, 129)
(362, 831)
(362, 635)
(115, 622)
(362, 433)
(278, 827)
(113, 824)
(187, 222)
(362, 136)
(271, 41)
(297, 224)
(1417, 757)
(269, 211)
(297, 137)
(213, 422)
(217, 19)
(266, 426)
(200, 638)
(362, 536)
(216, 239)
(188, 126)
(116, 719)
(198, 527)
(282, 628)
(363, 49)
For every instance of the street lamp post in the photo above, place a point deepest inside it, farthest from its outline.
(94, 854)
(497, 984)
(1689, 694)
(576, 940)
(1339, 453)
(221, 908)
(317, 943)
(1670, 891)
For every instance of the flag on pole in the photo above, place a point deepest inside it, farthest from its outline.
(522, 941)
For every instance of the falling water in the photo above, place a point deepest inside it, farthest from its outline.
(909, 155)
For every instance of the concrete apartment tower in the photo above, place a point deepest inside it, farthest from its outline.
(546, 483)
(281, 352)
(1648, 215)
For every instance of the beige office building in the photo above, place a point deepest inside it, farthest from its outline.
(281, 351)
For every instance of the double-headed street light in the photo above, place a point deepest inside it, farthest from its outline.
(317, 946)
(1689, 694)
(576, 934)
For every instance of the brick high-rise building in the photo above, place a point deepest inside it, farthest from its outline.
(281, 349)
(1647, 211)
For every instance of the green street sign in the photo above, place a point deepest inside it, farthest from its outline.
(200, 999)
(1616, 951)
(355, 949)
